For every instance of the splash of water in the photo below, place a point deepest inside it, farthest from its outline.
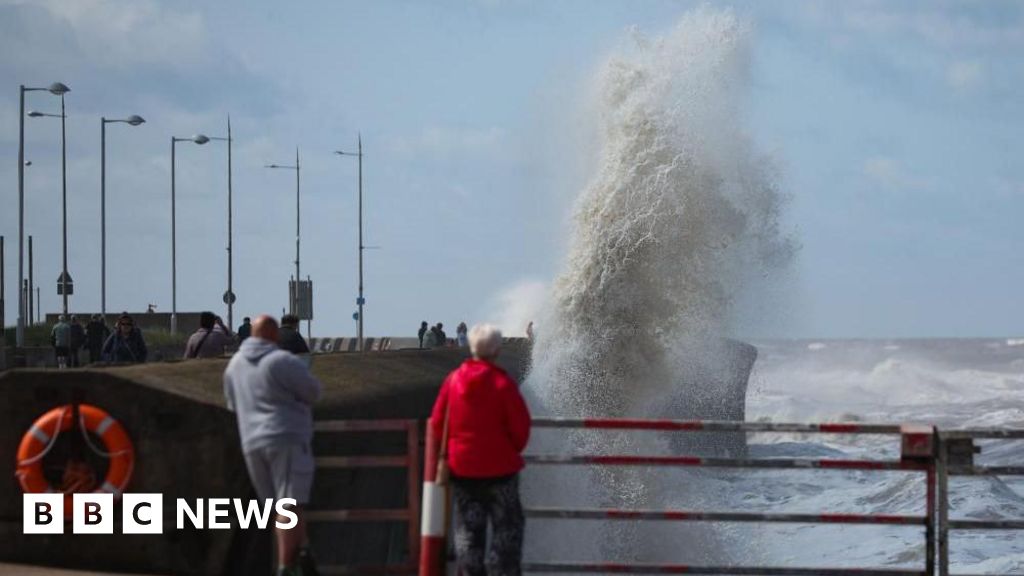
(682, 215)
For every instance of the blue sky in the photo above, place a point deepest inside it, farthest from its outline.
(896, 127)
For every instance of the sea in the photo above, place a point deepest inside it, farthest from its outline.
(950, 383)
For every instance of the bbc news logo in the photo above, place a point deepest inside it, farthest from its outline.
(144, 513)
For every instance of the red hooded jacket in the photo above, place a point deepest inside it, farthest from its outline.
(488, 422)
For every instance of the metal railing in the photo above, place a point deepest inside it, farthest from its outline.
(917, 456)
(410, 515)
(956, 458)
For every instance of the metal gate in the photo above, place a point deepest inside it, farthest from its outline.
(410, 515)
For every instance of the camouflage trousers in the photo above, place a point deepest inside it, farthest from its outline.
(479, 501)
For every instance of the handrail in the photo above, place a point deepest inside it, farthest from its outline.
(917, 456)
(409, 515)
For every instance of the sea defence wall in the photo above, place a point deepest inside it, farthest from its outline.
(187, 446)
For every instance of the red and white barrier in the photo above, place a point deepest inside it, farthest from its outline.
(435, 500)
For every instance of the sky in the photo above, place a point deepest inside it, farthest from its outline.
(896, 127)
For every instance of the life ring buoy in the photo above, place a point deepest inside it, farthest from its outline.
(42, 435)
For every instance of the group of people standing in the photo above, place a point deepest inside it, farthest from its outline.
(435, 336)
(124, 344)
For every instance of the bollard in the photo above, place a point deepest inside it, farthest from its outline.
(432, 527)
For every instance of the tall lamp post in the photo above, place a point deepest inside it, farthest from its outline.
(197, 139)
(56, 89)
(229, 295)
(132, 120)
(360, 301)
(298, 228)
(64, 283)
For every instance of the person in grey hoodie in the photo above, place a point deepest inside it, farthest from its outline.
(272, 393)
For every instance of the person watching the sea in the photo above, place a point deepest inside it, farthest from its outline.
(272, 393)
(488, 425)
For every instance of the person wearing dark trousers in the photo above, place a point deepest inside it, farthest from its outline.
(486, 424)
(76, 340)
(96, 333)
(423, 331)
(125, 344)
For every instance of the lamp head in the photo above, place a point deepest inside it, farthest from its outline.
(200, 139)
(58, 89)
(35, 114)
(135, 120)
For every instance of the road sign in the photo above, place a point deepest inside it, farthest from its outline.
(229, 297)
(65, 284)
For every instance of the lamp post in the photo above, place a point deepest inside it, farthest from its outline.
(56, 89)
(229, 295)
(360, 301)
(132, 120)
(64, 282)
(197, 139)
(298, 228)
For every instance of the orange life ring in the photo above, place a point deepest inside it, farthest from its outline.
(39, 438)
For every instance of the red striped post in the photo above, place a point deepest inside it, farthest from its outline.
(432, 527)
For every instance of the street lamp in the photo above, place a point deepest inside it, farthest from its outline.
(132, 120)
(229, 295)
(57, 89)
(298, 229)
(360, 301)
(64, 283)
(197, 139)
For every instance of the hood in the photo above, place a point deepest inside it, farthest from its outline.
(253, 349)
(474, 372)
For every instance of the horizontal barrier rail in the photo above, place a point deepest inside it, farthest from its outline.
(691, 461)
(362, 462)
(983, 433)
(614, 568)
(715, 426)
(367, 515)
(986, 470)
(363, 425)
(689, 516)
(986, 524)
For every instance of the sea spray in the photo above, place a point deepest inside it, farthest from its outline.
(681, 215)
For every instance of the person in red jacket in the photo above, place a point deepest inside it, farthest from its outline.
(488, 428)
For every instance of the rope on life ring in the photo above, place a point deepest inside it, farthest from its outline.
(42, 436)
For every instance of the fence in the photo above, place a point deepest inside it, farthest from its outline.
(956, 458)
(410, 515)
(924, 450)
(916, 457)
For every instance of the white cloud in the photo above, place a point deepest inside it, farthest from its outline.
(516, 306)
(965, 74)
(890, 174)
(127, 33)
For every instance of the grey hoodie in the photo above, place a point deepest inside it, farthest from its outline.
(272, 391)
